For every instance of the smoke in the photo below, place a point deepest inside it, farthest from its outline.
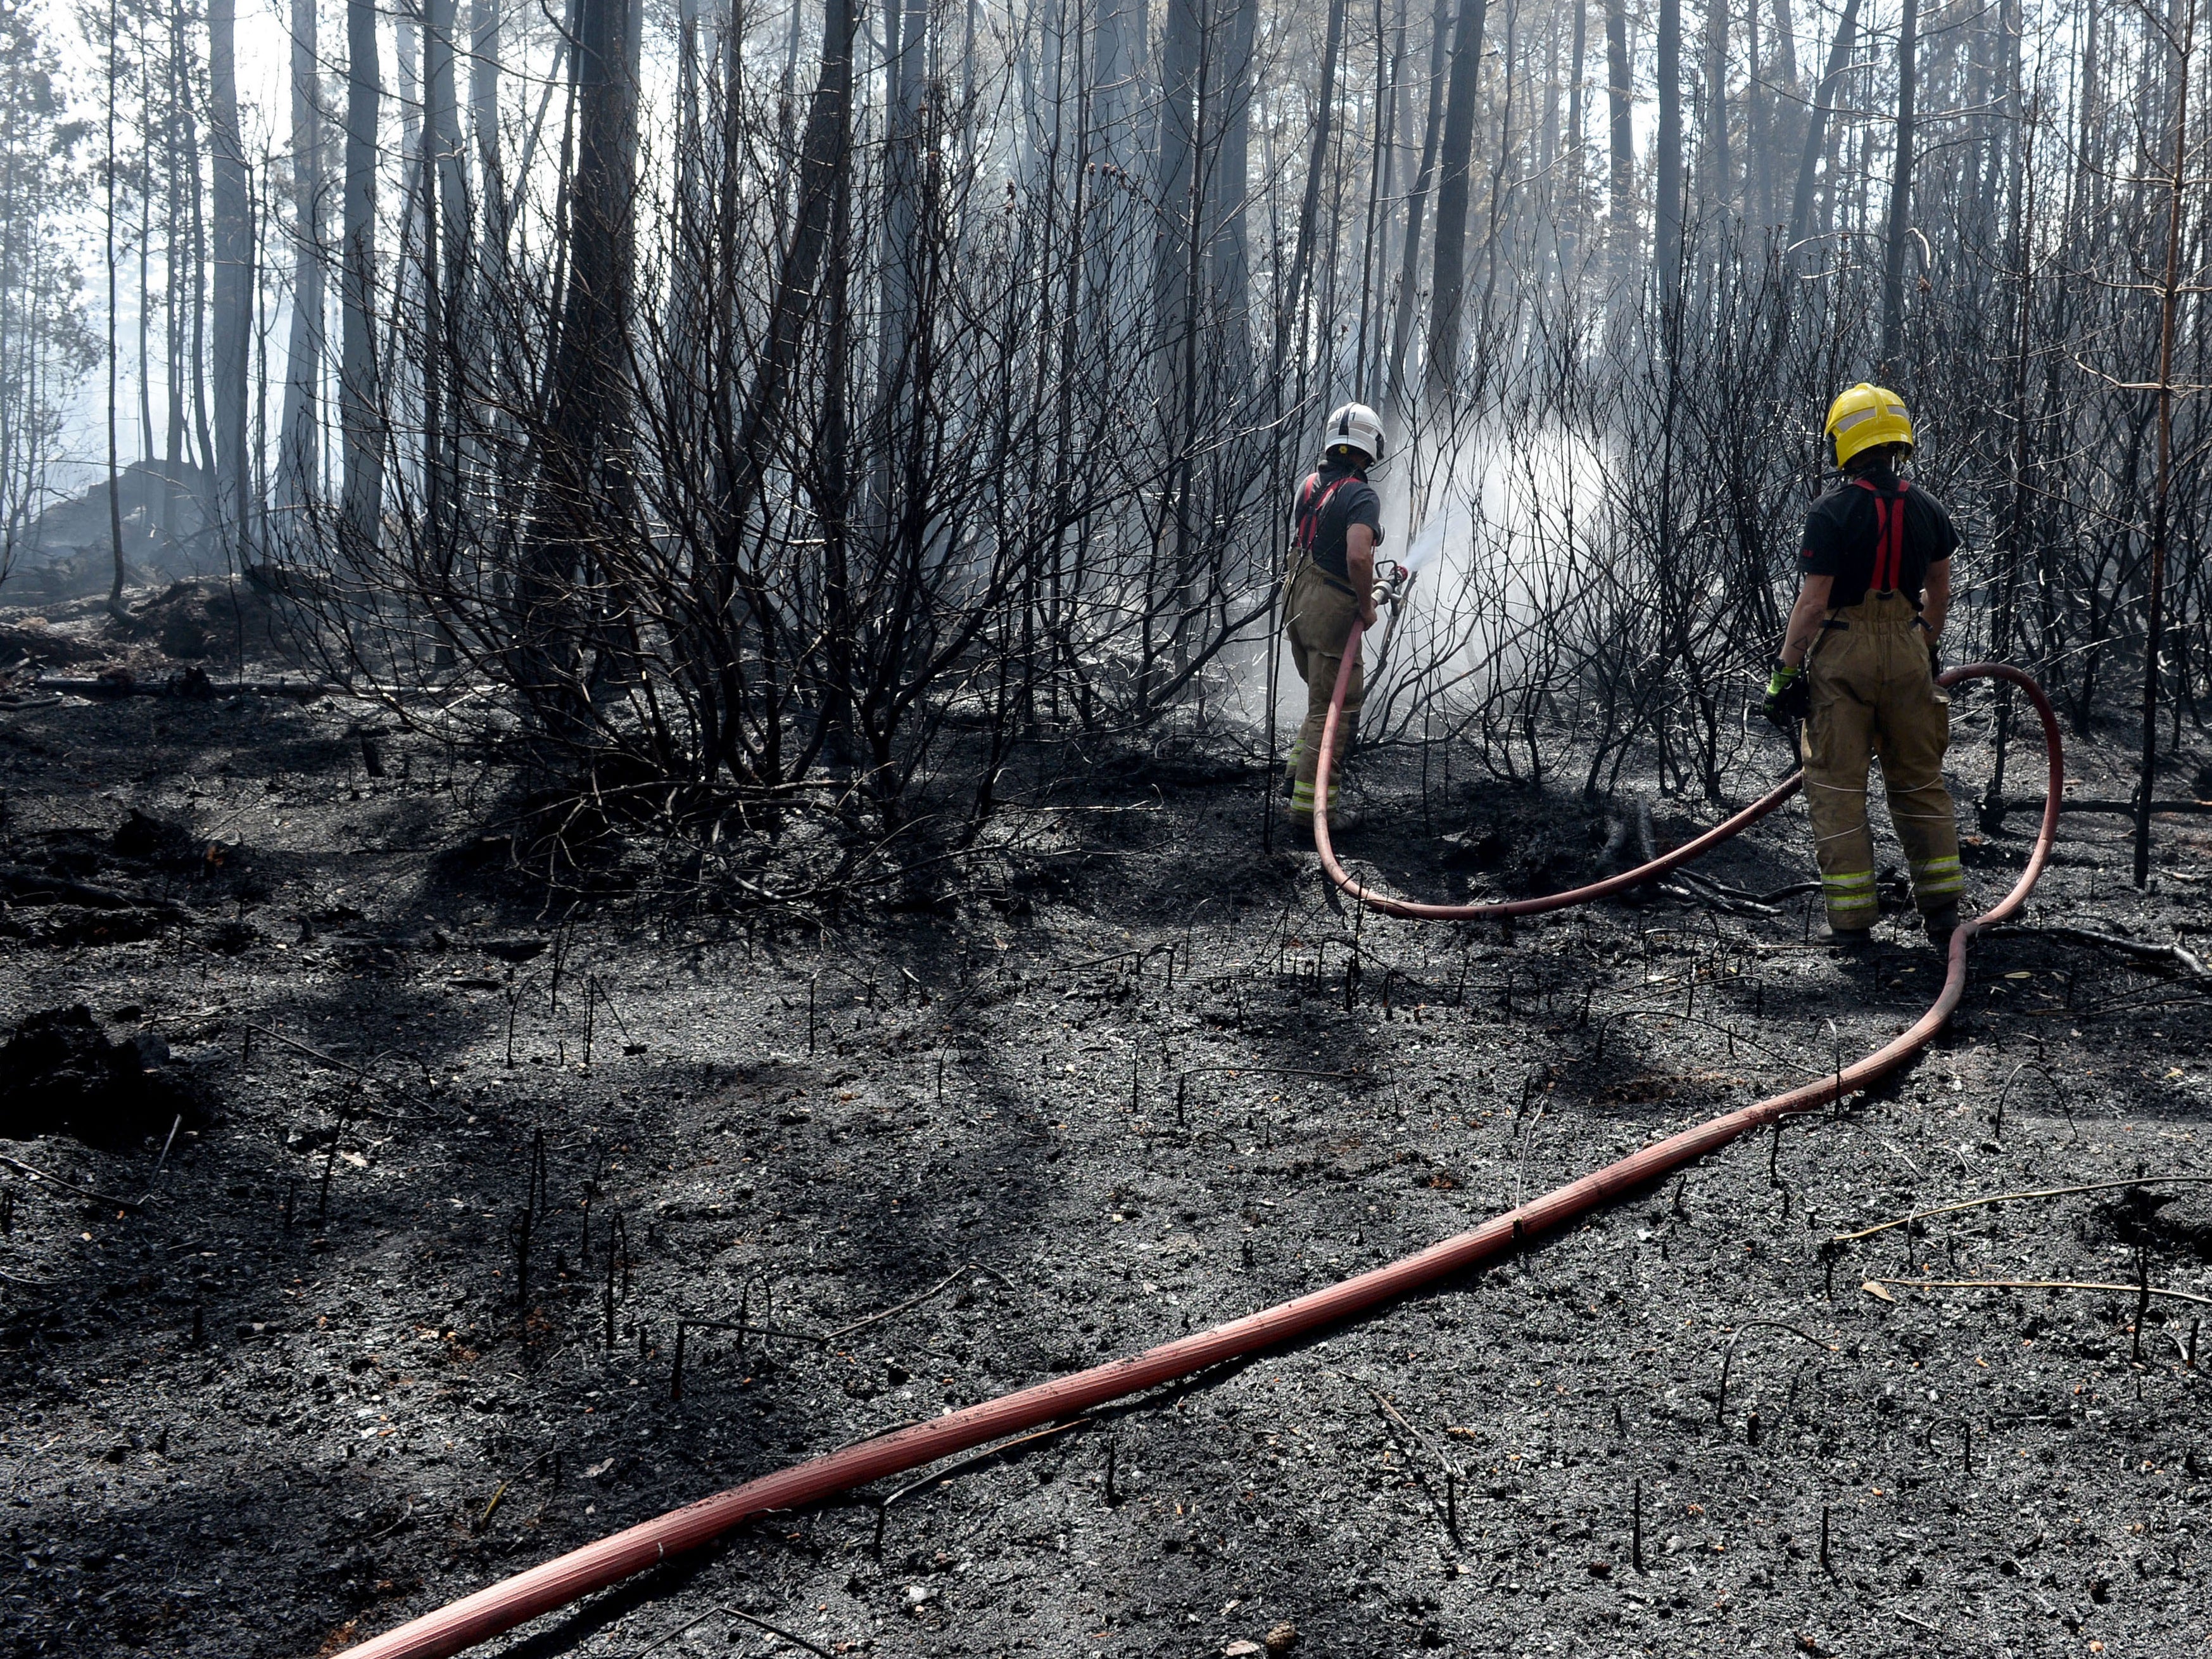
(1495, 528)
(1504, 515)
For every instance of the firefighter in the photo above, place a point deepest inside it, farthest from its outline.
(1858, 665)
(1336, 523)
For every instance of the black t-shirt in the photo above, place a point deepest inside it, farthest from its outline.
(1876, 531)
(1328, 504)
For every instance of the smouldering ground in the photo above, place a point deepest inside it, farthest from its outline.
(1122, 1096)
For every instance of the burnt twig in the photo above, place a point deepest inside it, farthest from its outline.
(1453, 1474)
(2001, 1198)
(687, 1626)
(1728, 1358)
(2043, 1284)
(773, 1630)
(312, 1053)
(92, 1193)
(978, 1459)
(2173, 955)
(914, 1300)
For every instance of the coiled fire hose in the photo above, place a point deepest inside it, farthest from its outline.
(596, 1566)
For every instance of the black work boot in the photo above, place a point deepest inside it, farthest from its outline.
(1942, 924)
(1851, 941)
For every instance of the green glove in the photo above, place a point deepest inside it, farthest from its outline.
(1788, 697)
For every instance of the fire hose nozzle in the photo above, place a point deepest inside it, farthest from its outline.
(1391, 581)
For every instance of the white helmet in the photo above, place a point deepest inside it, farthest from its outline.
(1356, 426)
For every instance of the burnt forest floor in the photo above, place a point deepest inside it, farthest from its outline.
(315, 1383)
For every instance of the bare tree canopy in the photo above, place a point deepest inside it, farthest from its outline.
(834, 404)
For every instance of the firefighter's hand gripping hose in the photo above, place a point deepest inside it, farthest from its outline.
(596, 1566)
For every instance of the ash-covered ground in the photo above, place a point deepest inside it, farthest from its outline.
(356, 1348)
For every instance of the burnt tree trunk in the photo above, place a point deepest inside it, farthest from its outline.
(1667, 188)
(1402, 325)
(581, 487)
(1618, 100)
(360, 396)
(1900, 195)
(1447, 289)
(2170, 287)
(298, 448)
(233, 283)
(1839, 59)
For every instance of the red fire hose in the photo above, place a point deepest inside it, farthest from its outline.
(1689, 849)
(598, 1565)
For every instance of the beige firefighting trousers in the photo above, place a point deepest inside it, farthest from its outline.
(1317, 616)
(1874, 697)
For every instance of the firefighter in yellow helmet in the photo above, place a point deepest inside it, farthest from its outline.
(1859, 665)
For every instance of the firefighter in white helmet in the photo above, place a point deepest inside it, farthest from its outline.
(1336, 522)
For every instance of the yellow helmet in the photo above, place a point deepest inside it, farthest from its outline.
(1865, 417)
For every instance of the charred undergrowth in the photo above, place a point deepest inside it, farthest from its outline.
(410, 1315)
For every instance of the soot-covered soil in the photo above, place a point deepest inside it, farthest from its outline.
(304, 1378)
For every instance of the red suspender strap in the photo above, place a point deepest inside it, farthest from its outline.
(1889, 536)
(1309, 511)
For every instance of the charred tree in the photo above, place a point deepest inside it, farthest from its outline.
(298, 443)
(360, 414)
(1839, 59)
(1666, 173)
(1228, 247)
(233, 287)
(1720, 176)
(1621, 178)
(444, 234)
(745, 446)
(582, 492)
(114, 472)
(1408, 303)
(1454, 194)
(2172, 280)
(1900, 195)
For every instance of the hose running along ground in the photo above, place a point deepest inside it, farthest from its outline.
(596, 1566)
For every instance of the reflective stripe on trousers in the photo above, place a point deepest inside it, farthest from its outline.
(1873, 699)
(1848, 893)
(1937, 877)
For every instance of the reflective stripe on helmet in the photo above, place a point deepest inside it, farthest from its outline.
(1867, 417)
(1356, 426)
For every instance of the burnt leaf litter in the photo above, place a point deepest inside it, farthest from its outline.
(372, 1229)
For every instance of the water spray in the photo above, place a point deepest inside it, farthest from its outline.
(1425, 548)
